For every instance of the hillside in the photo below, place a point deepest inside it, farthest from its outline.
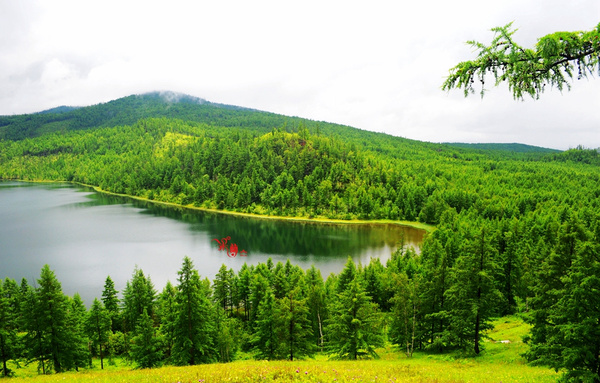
(515, 232)
(177, 148)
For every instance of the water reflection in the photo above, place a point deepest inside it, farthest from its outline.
(278, 237)
(85, 236)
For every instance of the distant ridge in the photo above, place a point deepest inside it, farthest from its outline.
(513, 147)
(59, 109)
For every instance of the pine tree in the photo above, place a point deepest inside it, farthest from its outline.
(573, 341)
(244, 289)
(265, 337)
(316, 300)
(405, 311)
(354, 327)
(8, 326)
(346, 276)
(79, 355)
(35, 342)
(435, 282)
(222, 287)
(296, 331)
(473, 297)
(226, 335)
(167, 313)
(139, 295)
(97, 327)
(53, 315)
(49, 339)
(111, 303)
(145, 349)
(193, 343)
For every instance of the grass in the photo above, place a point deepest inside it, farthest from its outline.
(500, 362)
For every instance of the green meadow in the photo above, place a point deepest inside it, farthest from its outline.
(500, 362)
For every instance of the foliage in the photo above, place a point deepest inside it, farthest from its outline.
(355, 328)
(193, 326)
(98, 327)
(145, 350)
(515, 233)
(554, 61)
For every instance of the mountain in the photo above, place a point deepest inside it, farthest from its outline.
(123, 111)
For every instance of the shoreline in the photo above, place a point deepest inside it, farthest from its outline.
(415, 225)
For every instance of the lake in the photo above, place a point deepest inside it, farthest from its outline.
(85, 236)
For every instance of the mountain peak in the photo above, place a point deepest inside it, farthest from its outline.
(171, 97)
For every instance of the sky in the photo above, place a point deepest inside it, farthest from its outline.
(376, 65)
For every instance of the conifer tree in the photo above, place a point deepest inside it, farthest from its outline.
(472, 296)
(145, 349)
(346, 276)
(244, 289)
(111, 303)
(317, 304)
(296, 331)
(139, 295)
(265, 336)
(405, 311)
(47, 326)
(354, 326)
(226, 334)
(97, 326)
(553, 62)
(35, 342)
(167, 314)
(79, 352)
(8, 326)
(222, 287)
(193, 328)
(573, 340)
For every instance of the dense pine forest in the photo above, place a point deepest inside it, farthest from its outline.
(517, 232)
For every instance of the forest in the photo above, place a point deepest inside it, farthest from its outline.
(516, 232)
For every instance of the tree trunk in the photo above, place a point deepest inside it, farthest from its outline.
(320, 330)
(477, 333)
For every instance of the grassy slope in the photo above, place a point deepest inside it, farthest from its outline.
(499, 363)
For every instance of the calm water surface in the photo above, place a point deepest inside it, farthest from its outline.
(85, 236)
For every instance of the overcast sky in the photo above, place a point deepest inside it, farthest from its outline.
(374, 65)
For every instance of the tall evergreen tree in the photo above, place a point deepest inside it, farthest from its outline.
(296, 331)
(139, 295)
(193, 327)
(8, 326)
(317, 304)
(265, 336)
(110, 300)
(97, 326)
(167, 314)
(406, 306)
(354, 326)
(145, 348)
(222, 287)
(472, 296)
(35, 341)
(346, 276)
(225, 335)
(244, 289)
(48, 325)
(79, 352)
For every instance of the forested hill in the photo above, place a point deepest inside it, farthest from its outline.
(516, 232)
